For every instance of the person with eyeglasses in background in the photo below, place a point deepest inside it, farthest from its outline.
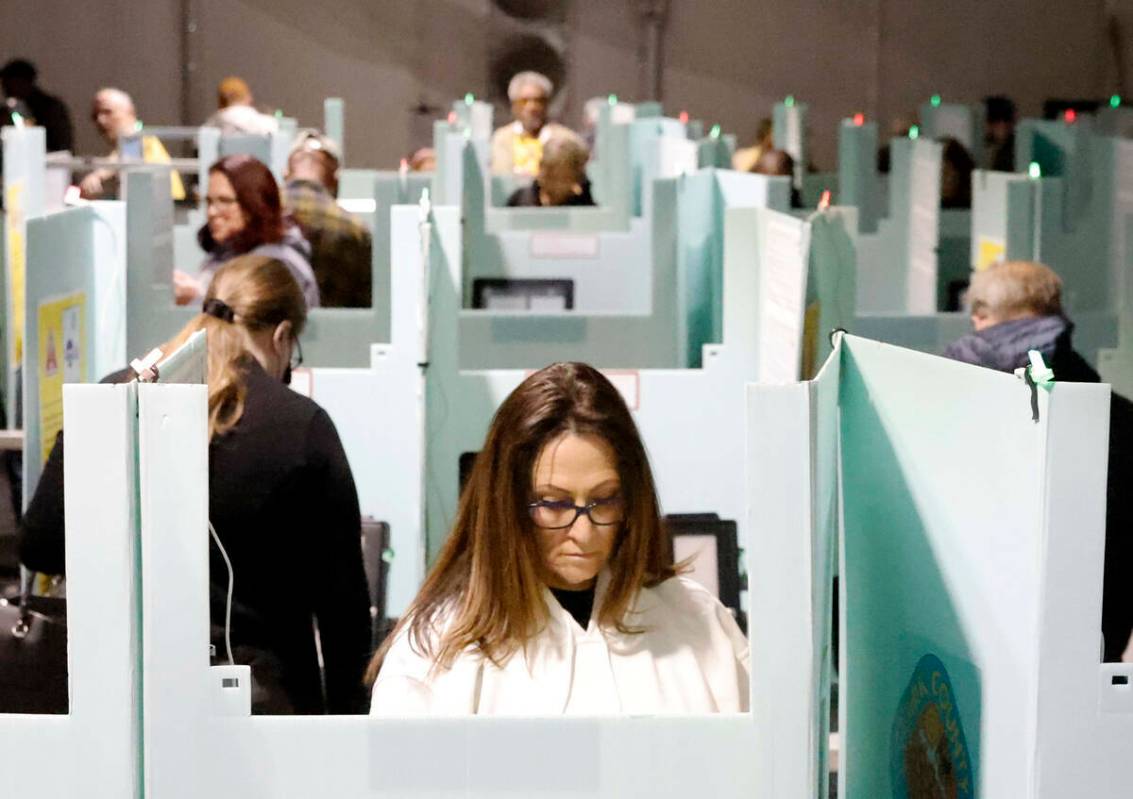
(517, 148)
(245, 216)
(556, 592)
(282, 500)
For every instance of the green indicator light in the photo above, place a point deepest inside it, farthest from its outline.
(279, 113)
(790, 101)
(138, 126)
(18, 118)
(1034, 170)
(469, 99)
(1115, 101)
(715, 132)
(935, 101)
(914, 132)
(612, 99)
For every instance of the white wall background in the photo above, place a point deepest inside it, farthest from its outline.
(725, 60)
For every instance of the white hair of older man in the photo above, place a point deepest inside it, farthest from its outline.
(529, 78)
(117, 96)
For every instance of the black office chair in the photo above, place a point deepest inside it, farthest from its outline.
(706, 534)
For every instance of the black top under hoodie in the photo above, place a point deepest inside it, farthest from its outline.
(283, 502)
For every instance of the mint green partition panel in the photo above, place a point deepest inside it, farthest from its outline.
(831, 288)
(1004, 205)
(700, 258)
(61, 259)
(813, 186)
(1115, 121)
(953, 251)
(858, 183)
(642, 134)
(955, 120)
(973, 530)
(334, 123)
(716, 151)
(788, 133)
(942, 501)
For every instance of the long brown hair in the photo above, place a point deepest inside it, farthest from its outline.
(486, 583)
(262, 293)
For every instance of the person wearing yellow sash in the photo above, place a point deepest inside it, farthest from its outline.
(517, 148)
(114, 115)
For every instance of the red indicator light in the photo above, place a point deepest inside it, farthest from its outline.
(684, 117)
(1071, 116)
(824, 201)
(859, 119)
(452, 117)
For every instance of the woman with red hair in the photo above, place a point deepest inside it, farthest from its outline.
(245, 216)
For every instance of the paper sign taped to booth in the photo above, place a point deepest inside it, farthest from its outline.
(62, 359)
(990, 251)
(14, 205)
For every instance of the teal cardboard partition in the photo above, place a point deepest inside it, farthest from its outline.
(334, 124)
(61, 327)
(954, 120)
(831, 288)
(950, 498)
(858, 183)
(898, 263)
(788, 133)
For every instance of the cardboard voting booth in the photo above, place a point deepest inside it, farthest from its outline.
(96, 748)
(973, 517)
(197, 731)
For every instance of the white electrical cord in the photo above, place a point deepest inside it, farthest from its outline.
(228, 600)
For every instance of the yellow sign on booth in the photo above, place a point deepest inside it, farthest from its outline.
(62, 359)
(990, 251)
(14, 205)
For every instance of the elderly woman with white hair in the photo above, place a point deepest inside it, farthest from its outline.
(562, 176)
(517, 148)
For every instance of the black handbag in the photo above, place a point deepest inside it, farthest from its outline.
(33, 652)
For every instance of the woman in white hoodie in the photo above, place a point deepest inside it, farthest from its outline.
(556, 592)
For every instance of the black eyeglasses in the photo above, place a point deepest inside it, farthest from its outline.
(296, 354)
(558, 514)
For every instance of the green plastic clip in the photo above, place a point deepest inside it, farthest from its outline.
(1042, 374)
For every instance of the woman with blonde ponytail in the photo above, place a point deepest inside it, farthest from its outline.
(281, 498)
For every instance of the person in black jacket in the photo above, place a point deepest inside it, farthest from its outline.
(281, 498)
(1016, 307)
(562, 176)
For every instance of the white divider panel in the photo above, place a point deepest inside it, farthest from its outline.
(23, 184)
(972, 581)
(380, 411)
(199, 738)
(689, 418)
(59, 325)
(1085, 715)
(897, 265)
(792, 495)
(94, 750)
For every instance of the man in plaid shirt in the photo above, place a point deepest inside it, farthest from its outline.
(341, 246)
